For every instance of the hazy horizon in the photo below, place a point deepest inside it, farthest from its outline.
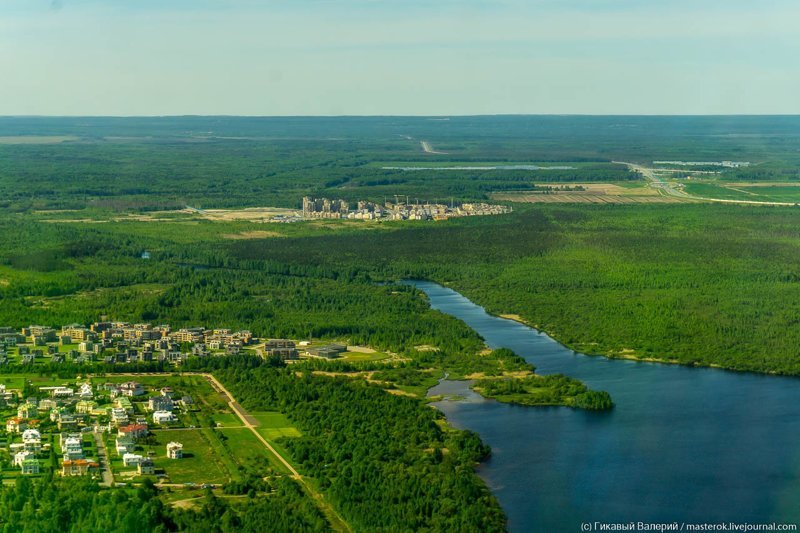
(378, 58)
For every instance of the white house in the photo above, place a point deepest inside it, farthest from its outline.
(31, 434)
(62, 392)
(32, 440)
(164, 417)
(119, 416)
(174, 450)
(71, 447)
(21, 457)
(86, 392)
(131, 388)
(131, 459)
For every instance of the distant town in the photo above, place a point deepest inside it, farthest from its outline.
(397, 210)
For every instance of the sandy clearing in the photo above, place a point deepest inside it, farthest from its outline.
(36, 139)
(249, 213)
(257, 234)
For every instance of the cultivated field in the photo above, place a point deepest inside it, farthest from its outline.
(592, 193)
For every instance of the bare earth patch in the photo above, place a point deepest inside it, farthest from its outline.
(426, 348)
(36, 139)
(254, 214)
(360, 349)
(257, 234)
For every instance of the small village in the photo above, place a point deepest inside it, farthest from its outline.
(397, 210)
(68, 428)
(124, 427)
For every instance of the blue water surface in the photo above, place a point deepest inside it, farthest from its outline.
(682, 444)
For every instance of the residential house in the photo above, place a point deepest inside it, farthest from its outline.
(85, 406)
(146, 467)
(62, 392)
(119, 416)
(174, 450)
(134, 430)
(77, 333)
(67, 422)
(124, 403)
(32, 440)
(26, 410)
(160, 403)
(164, 417)
(47, 404)
(79, 467)
(16, 425)
(131, 388)
(21, 457)
(86, 392)
(71, 447)
(233, 349)
(30, 466)
(125, 444)
(131, 459)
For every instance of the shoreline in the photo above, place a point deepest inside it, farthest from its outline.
(628, 357)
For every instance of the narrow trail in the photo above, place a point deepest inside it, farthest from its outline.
(337, 522)
(333, 517)
(428, 149)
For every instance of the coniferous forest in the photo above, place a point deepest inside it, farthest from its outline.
(95, 226)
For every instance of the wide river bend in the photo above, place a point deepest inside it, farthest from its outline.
(692, 445)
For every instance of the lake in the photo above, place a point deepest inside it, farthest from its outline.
(682, 444)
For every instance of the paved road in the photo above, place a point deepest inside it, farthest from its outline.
(102, 458)
(667, 189)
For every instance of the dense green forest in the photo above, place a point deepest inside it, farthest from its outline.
(165, 163)
(370, 451)
(693, 284)
(78, 505)
(697, 284)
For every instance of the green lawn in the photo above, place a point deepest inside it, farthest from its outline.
(358, 356)
(205, 460)
(227, 420)
(245, 446)
(273, 425)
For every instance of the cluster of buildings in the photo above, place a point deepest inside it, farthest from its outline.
(122, 342)
(66, 414)
(118, 342)
(399, 210)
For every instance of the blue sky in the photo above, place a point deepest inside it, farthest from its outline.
(404, 57)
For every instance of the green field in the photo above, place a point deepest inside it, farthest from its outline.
(204, 458)
(274, 425)
(756, 193)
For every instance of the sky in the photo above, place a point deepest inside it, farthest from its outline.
(398, 57)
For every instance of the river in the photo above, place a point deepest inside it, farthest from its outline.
(692, 445)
